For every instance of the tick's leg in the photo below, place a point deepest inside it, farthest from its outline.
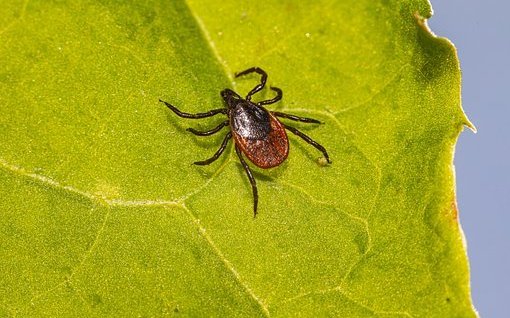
(296, 118)
(209, 132)
(260, 86)
(228, 92)
(252, 182)
(309, 140)
(195, 116)
(279, 95)
(218, 152)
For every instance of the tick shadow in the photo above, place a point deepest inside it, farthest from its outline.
(296, 142)
(209, 171)
(308, 150)
(270, 174)
(258, 175)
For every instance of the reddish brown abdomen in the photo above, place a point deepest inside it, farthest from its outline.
(268, 152)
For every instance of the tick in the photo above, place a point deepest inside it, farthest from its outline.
(257, 132)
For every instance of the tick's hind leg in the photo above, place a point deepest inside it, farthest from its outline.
(296, 118)
(252, 181)
(309, 140)
(260, 86)
(209, 132)
(218, 152)
(194, 116)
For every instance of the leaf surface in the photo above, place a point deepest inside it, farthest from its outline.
(103, 214)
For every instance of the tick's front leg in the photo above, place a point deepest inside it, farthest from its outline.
(194, 116)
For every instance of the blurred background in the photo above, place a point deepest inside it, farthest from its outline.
(481, 32)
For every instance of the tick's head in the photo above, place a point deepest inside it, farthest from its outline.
(230, 97)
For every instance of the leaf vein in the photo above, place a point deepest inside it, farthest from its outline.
(85, 256)
(377, 92)
(17, 170)
(227, 263)
(206, 183)
(346, 296)
(94, 198)
(354, 217)
(369, 245)
(15, 21)
(210, 42)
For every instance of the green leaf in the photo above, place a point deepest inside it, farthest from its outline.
(103, 214)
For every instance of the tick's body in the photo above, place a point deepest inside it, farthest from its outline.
(257, 132)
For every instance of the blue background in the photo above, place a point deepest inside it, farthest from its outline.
(481, 32)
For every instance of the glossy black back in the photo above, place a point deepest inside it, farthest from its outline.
(249, 120)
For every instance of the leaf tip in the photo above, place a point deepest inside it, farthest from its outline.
(470, 125)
